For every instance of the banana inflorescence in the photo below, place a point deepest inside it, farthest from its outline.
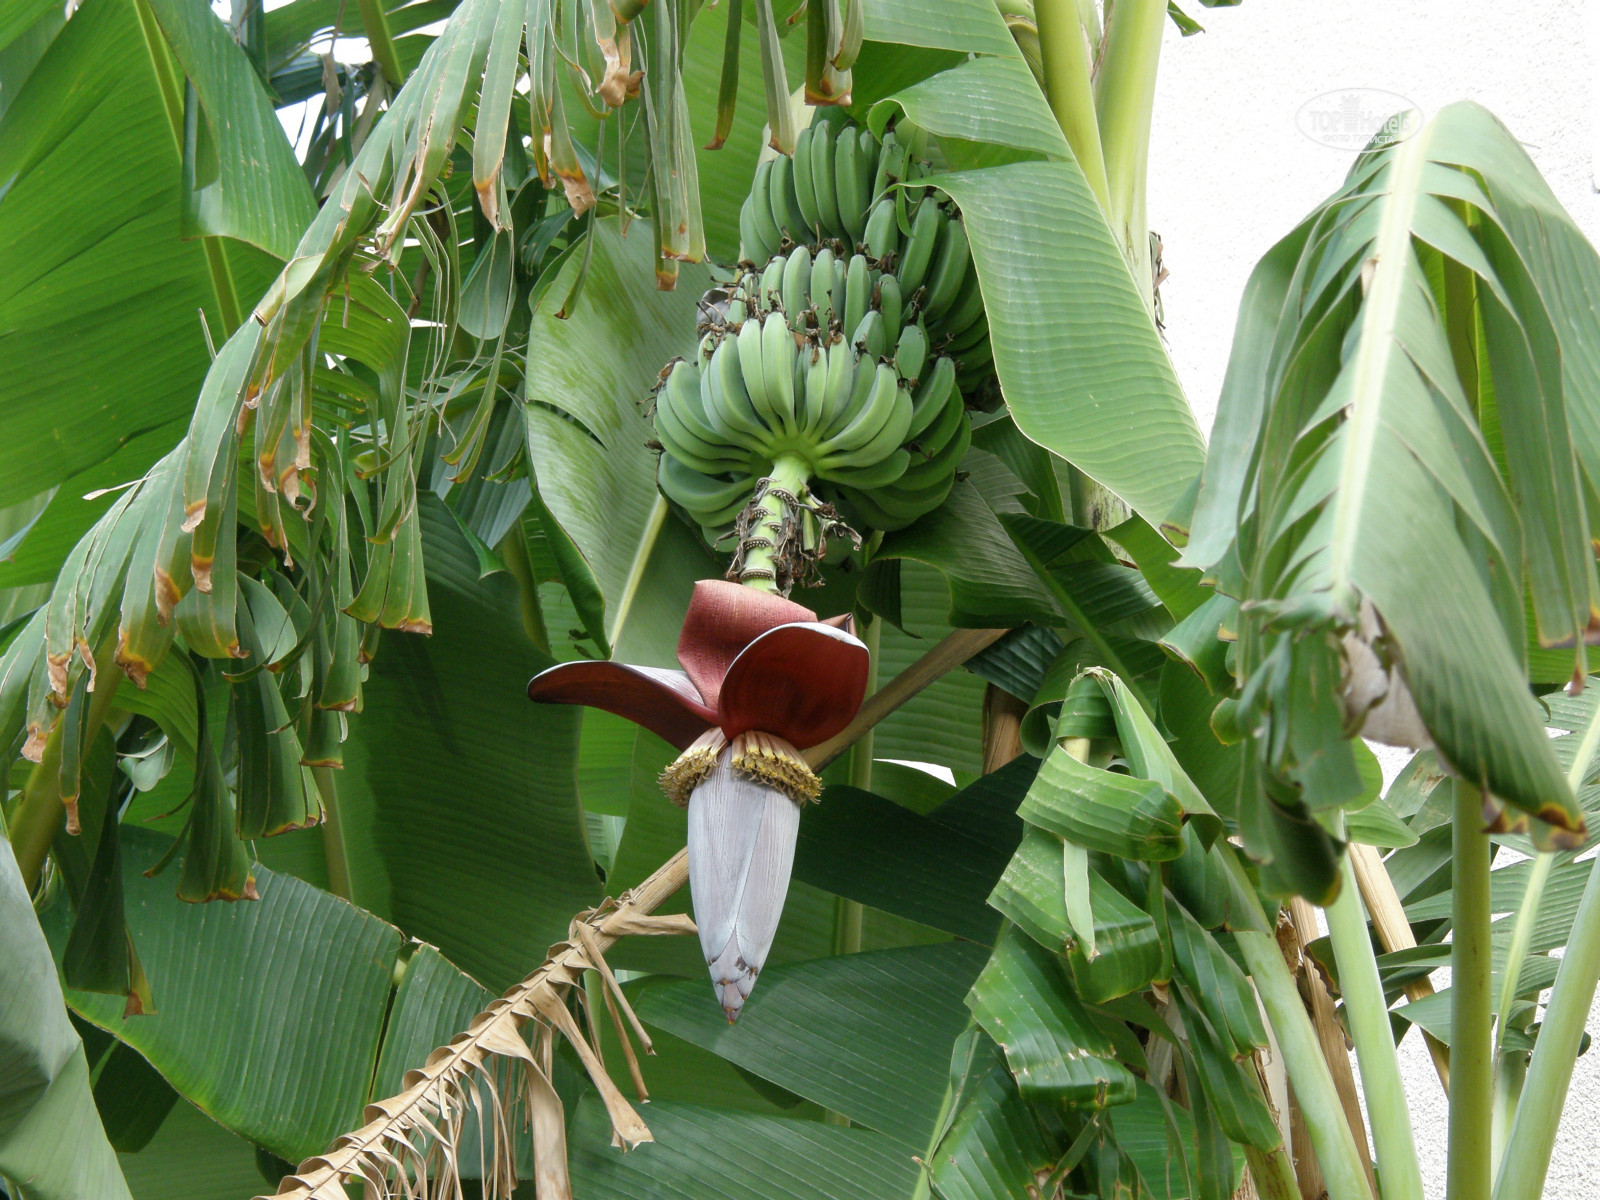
(828, 386)
(839, 191)
(804, 370)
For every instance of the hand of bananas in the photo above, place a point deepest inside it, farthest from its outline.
(837, 192)
(820, 372)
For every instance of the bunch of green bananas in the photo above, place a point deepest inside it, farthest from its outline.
(837, 194)
(818, 365)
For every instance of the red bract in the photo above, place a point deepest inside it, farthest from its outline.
(751, 661)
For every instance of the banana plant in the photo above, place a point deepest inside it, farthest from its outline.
(490, 391)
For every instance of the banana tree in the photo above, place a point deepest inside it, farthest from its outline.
(464, 421)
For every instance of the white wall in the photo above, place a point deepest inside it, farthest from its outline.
(1231, 173)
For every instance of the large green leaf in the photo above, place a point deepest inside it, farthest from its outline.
(50, 1133)
(993, 1148)
(191, 1157)
(936, 726)
(92, 262)
(867, 1035)
(1078, 356)
(1429, 385)
(991, 100)
(589, 377)
(969, 26)
(1027, 1004)
(937, 869)
(75, 242)
(459, 797)
(308, 973)
(257, 193)
(709, 1154)
(990, 584)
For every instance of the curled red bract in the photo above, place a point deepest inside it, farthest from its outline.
(751, 661)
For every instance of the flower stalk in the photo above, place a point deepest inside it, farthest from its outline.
(772, 531)
(1367, 1012)
(1471, 1004)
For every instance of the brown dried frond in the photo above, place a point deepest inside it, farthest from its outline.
(499, 1070)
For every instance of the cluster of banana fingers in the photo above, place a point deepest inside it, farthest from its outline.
(842, 191)
(819, 361)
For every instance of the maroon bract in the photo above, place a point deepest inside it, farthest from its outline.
(762, 680)
(751, 661)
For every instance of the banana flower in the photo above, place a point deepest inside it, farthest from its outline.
(762, 681)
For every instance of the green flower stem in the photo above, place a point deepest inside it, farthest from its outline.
(1471, 1005)
(758, 565)
(1331, 1139)
(1066, 53)
(1538, 1113)
(40, 814)
(847, 913)
(1124, 94)
(1368, 1014)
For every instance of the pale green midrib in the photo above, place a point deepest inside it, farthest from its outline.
(636, 569)
(1533, 893)
(1391, 250)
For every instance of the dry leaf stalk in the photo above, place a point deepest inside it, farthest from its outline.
(499, 1069)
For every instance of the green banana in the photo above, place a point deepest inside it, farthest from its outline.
(766, 220)
(796, 287)
(971, 337)
(857, 293)
(939, 417)
(929, 468)
(823, 170)
(925, 229)
(882, 443)
(770, 292)
(814, 362)
(841, 383)
(964, 310)
(932, 396)
(891, 301)
(891, 163)
(778, 361)
(804, 189)
(949, 268)
(822, 287)
(785, 208)
(752, 247)
(854, 158)
(911, 352)
(881, 473)
(727, 403)
(755, 374)
(863, 376)
(678, 441)
(871, 415)
(882, 236)
(871, 337)
(688, 406)
(705, 498)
